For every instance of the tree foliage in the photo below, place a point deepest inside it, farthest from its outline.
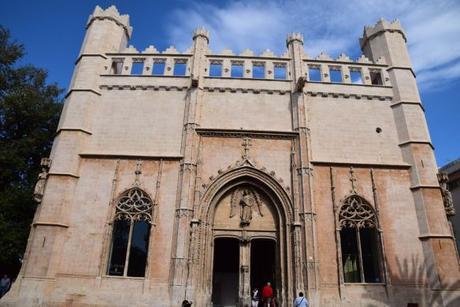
(29, 113)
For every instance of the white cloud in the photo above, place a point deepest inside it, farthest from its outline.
(433, 28)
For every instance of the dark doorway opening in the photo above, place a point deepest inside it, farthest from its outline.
(263, 263)
(225, 281)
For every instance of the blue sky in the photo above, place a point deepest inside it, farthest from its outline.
(52, 32)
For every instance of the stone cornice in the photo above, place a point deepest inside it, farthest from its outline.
(90, 55)
(346, 95)
(400, 102)
(62, 174)
(408, 142)
(246, 90)
(52, 224)
(89, 90)
(60, 130)
(425, 186)
(427, 236)
(103, 155)
(144, 87)
(365, 165)
(234, 133)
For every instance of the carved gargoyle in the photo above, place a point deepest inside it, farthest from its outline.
(446, 195)
(41, 181)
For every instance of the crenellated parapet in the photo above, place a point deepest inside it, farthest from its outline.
(111, 13)
(381, 26)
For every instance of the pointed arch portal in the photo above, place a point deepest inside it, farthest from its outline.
(244, 214)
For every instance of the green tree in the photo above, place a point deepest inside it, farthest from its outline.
(29, 113)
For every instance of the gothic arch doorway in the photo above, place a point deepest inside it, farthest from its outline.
(246, 217)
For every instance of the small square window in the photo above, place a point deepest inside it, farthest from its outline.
(355, 75)
(280, 71)
(180, 67)
(314, 73)
(237, 70)
(258, 70)
(336, 74)
(117, 67)
(137, 67)
(158, 68)
(215, 69)
(376, 77)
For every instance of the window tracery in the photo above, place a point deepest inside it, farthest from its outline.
(356, 213)
(359, 240)
(130, 234)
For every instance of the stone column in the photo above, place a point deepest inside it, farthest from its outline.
(388, 40)
(245, 272)
(180, 268)
(305, 222)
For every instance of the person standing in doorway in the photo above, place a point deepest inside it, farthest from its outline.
(267, 295)
(255, 298)
(300, 301)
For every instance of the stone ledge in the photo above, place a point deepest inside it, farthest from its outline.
(428, 236)
(104, 155)
(245, 90)
(366, 165)
(63, 174)
(235, 133)
(60, 130)
(144, 87)
(424, 186)
(351, 96)
(400, 102)
(90, 90)
(52, 224)
(416, 142)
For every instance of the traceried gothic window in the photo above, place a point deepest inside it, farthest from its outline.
(360, 241)
(130, 234)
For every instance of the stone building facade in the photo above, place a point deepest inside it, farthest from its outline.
(451, 182)
(202, 175)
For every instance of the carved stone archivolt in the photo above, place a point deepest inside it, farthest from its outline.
(446, 195)
(356, 212)
(245, 200)
(134, 205)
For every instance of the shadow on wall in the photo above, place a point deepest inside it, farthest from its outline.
(410, 287)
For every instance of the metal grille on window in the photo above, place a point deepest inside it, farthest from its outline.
(359, 239)
(130, 234)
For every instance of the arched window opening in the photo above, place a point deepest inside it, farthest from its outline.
(130, 234)
(359, 239)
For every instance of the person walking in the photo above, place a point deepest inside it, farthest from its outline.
(300, 301)
(267, 295)
(255, 298)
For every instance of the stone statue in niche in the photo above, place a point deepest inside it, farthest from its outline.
(247, 200)
(446, 195)
(41, 181)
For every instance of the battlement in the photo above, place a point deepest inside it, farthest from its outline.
(247, 64)
(111, 13)
(381, 26)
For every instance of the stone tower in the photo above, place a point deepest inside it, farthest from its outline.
(202, 176)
